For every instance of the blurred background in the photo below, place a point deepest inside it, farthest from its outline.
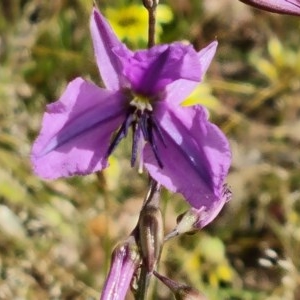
(56, 236)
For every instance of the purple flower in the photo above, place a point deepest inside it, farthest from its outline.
(125, 261)
(289, 7)
(178, 146)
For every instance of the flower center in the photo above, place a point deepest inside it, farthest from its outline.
(145, 129)
(141, 102)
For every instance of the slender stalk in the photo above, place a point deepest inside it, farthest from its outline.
(151, 7)
(151, 28)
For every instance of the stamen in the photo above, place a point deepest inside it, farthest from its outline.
(128, 122)
(153, 145)
(122, 132)
(144, 126)
(140, 118)
(159, 131)
(141, 160)
(136, 134)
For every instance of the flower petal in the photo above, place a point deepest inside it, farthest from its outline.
(179, 90)
(206, 55)
(289, 7)
(105, 42)
(76, 131)
(150, 71)
(205, 216)
(195, 154)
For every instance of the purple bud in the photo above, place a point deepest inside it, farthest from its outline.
(125, 260)
(180, 291)
(289, 7)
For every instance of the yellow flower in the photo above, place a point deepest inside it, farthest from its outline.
(130, 23)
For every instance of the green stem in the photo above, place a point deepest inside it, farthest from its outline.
(143, 284)
(151, 27)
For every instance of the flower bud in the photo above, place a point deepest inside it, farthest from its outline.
(151, 234)
(150, 3)
(180, 291)
(124, 262)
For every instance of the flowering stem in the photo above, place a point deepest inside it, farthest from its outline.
(151, 7)
(151, 29)
(143, 284)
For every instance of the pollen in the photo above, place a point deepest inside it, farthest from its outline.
(141, 102)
